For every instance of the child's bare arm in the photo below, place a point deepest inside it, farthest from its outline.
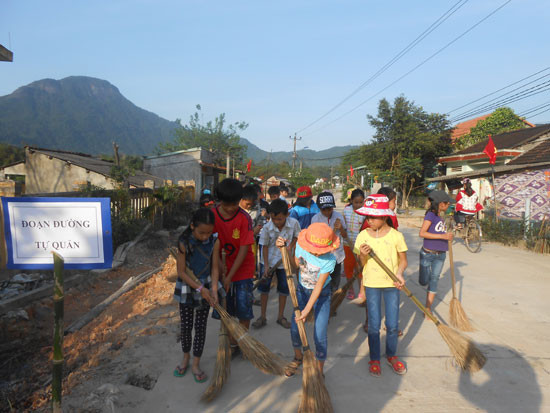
(314, 296)
(215, 270)
(265, 255)
(428, 235)
(401, 269)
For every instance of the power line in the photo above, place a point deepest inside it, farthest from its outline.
(496, 91)
(390, 63)
(414, 68)
(534, 109)
(540, 113)
(535, 90)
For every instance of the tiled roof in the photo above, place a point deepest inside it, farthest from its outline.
(540, 153)
(463, 128)
(508, 140)
(97, 165)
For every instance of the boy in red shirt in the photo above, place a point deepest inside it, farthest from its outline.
(234, 228)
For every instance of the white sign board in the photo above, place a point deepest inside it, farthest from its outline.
(78, 229)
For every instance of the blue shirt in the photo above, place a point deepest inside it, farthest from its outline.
(312, 266)
(303, 214)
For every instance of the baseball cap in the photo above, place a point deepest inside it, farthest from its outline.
(304, 192)
(326, 200)
(440, 196)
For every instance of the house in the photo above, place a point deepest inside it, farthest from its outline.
(51, 171)
(195, 164)
(522, 171)
(464, 128)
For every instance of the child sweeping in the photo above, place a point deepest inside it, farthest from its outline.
(435, 246)
(353, 223)
(315, 260)
(199, 250)
(390, 247)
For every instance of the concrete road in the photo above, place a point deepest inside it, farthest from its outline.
(504, 291)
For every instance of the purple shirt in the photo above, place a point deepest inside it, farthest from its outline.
(437, 226)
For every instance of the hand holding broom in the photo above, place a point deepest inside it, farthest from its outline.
(464, 351)
(315, 397)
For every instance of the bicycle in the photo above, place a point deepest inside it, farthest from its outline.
(470, 232)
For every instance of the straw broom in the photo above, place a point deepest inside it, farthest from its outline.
(456, 312)
(255, 351)
(315, 397)
(222, 368)
(269, 276)
(464, 351)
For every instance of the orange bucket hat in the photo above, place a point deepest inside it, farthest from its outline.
(318, 238)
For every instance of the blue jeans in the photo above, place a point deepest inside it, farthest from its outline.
(239, 299)
(282, 285)
(374, 306)
(322, 310)
(430, 269)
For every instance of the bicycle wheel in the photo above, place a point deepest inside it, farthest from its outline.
(450, 226)
(473, 236)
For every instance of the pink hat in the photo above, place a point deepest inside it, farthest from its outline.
(376, 205)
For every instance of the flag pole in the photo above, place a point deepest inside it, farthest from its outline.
(494, 191)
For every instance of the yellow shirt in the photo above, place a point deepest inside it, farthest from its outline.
(387, 249)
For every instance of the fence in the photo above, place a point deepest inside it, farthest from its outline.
(139, 198)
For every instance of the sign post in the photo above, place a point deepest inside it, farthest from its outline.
(57, 233)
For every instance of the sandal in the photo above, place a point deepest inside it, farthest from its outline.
(180, 371)
(351, 294)
(374, 368)
(200, 377)
(283, 322)
(260, 322)
(290, 369)
(398, 366)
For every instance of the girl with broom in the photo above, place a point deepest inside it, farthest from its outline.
(314, 258)
(435, 246)
(353, 223)
(198, 249)
(389, 245)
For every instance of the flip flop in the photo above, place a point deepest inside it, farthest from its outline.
(180, 372)
(201, 374)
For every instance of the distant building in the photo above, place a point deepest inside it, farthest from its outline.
(51, 171)
(196, 164)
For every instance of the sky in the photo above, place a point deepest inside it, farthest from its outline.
(279, 65)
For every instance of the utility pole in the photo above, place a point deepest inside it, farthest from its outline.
(294, 156)
(227, 165)
(331, 174)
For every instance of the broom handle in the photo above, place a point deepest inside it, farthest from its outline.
(451, 263)
(404, 288)
(292, 290)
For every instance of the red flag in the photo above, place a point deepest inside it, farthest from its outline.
(491, 151)
(248, 165)
(351, 170)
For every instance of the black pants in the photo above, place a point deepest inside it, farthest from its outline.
(201, 318)
(335, 277)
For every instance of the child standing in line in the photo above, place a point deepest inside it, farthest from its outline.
(335, 220)
(198, 250)
(389, 245)
(304, 209)
(315, 260)
(280, 225)
(353, 223)
(234, 228)
(435, 245)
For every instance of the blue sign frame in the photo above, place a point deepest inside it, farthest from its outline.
(106, 233)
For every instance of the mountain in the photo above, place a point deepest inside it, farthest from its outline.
(85, 114)
(80, 114)
(327, 157)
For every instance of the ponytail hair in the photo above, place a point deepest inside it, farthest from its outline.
(200, 216)
(434, 207)
(469, 191)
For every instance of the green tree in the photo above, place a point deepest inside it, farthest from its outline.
(216, 135)
(500, 121)
(10, 154)
(406, 144)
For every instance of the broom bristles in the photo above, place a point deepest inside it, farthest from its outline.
(222, 369)
(339, 295)
(466, 354)
(254, 350)
(315, 397)
(458, 317)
